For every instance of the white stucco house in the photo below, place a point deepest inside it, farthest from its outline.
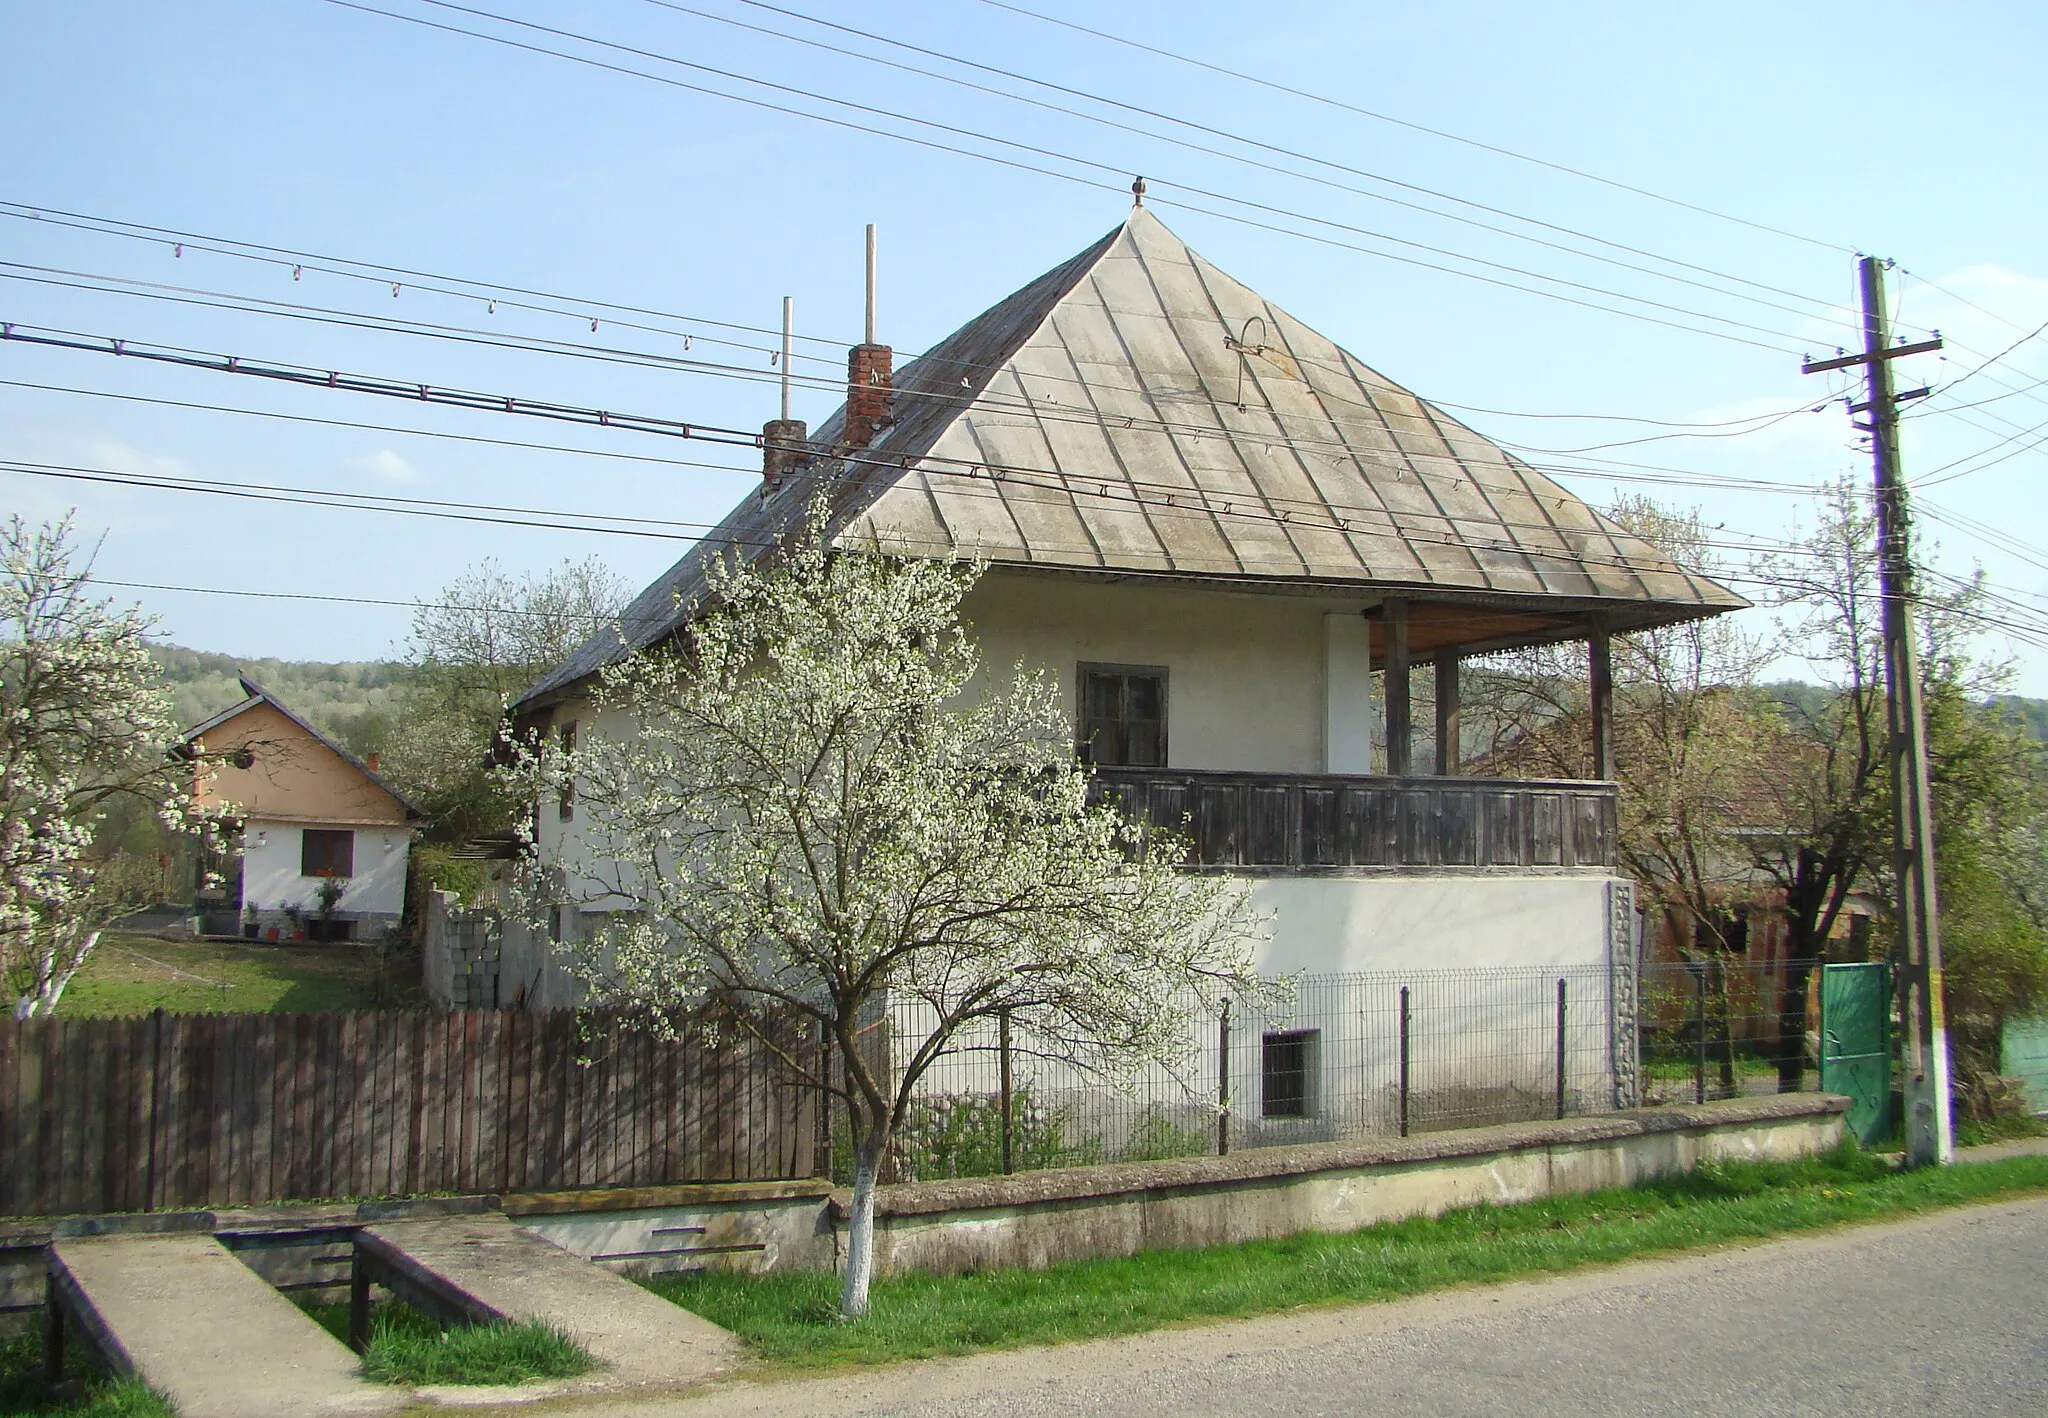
(311, 820)
(1235, 544)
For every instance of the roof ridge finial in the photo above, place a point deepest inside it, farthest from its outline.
(1138, 192)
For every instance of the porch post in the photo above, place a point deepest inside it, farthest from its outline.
(1447, 712)
(1400, 725)
(1602, 662)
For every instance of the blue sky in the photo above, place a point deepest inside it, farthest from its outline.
(317, 128)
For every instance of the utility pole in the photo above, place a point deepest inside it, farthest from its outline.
(1929, 1135)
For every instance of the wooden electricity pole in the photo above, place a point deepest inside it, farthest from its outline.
(1929, 1135)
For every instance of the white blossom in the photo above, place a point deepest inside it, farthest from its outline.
(84, 718)
(811, 806)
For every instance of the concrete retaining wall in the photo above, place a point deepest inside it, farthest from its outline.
(1046, 1217)
(1035, 1219)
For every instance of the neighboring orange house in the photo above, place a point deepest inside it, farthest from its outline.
(309, 812)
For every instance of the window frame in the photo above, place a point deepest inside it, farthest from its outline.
(1084, 741)
(331, 835)
(1305, 1102)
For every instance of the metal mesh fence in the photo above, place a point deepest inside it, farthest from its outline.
(1727, 1029)
(1350, 1055)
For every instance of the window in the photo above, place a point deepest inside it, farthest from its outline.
(565, 803)
(1123, 716)
(327, 851)
(1287, 1083)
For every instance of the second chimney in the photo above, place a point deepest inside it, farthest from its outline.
(868, 392)
(868, 373)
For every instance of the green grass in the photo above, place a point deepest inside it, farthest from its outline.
(789, 1320)
(85, 1394)
(408, 1348)
(134, 974)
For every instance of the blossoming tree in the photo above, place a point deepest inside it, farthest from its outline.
(813, 805)
(84, 719)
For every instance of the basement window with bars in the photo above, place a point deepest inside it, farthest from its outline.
(326, 851)
(1123, 715)
(1287, 1073)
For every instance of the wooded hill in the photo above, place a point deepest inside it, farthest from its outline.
(354, 702)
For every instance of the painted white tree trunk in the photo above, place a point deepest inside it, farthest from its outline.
(51, 980)
(860, 1237)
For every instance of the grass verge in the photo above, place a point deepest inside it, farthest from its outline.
(408, 1348)
(83, 1394)
(790, 1320)
(134, 974)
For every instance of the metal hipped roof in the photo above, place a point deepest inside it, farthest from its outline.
(1137, 411)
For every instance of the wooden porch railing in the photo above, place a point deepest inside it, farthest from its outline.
(1281, 823)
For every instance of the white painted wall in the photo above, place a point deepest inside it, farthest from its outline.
(1331, 924)
(271, 879)
(1348, 708)
(1245, 673)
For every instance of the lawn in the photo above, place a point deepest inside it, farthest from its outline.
(134, 974)
(789, 1320)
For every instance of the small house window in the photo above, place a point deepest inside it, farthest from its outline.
(1287, 1074)
(327, 851)
(565, 801)
(1123, 716)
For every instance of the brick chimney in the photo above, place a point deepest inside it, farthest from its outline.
(371, 760)
(783, 451)
(868, 374)
(868, 393)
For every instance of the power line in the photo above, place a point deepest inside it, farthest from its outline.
(1419, 127)
(1089, 182)
(380, 427)
(492, 294)
(422, 392)
(1199, 127)
(307, 376)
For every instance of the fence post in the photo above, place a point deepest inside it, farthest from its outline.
(1223, 1081)
(156, 1060)
(1008, 1095)
(1404, 1061)
(1560, 1047)
(1699, 1024)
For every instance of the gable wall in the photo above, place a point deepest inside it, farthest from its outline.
(295, 778)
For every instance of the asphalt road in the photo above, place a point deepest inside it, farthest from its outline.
(1942, 1315)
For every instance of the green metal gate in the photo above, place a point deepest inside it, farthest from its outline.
(1856, 1045)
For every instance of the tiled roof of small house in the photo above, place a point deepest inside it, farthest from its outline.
(1135, 411)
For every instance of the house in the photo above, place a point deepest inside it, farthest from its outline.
(323, 841)
(1235, 545)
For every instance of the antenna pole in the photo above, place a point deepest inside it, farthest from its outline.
(788, 329)
(871, 284)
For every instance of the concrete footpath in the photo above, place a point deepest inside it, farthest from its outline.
(194, 1323)
(1937, 1315)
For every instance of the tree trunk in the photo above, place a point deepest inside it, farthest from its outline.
(860, 1230)
(1792, 1024)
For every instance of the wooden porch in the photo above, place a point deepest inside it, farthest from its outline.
(1308, 823)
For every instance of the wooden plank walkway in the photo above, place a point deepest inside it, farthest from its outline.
(483, 1268)
(188, 1319)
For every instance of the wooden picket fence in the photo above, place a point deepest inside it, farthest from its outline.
(167, 1111)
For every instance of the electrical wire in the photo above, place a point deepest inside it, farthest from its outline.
(577, 308)
(1275, 149)
(1090, 182)
(1420, 128)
